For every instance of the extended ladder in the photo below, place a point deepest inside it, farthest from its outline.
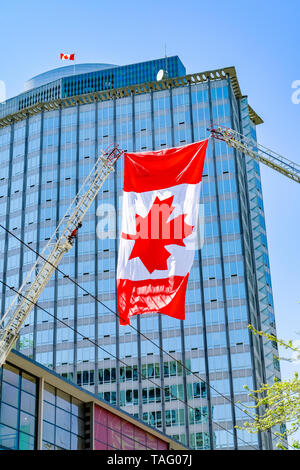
(258, 152)
(59, 244)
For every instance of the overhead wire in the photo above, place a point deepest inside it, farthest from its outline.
(132, 326)
(115, 357)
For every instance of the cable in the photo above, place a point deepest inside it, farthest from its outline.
(115, 357)
(133, 327)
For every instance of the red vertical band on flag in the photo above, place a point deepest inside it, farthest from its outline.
(166, 296)
(165, 168)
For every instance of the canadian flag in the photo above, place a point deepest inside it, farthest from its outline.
(67, 56)
(159, 230)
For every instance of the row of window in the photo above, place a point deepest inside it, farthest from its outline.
(154, 394)
(194, 390)
(173, 418)
(129, 373)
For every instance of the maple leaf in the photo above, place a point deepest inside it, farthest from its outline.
(154, 232)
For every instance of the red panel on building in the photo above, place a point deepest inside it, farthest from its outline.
(113, 432)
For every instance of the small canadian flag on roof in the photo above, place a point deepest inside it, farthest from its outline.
(67, 56)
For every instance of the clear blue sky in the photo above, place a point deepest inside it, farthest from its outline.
(259, 37)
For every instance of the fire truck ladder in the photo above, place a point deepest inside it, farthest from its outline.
(61, 241)
(258, 152)
(59, 244)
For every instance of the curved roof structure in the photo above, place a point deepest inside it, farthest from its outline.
(66, 71)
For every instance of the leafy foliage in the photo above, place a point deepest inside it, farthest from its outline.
(276, 404)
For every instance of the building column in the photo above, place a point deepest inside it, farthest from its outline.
(24, 193)
(235, 443)
(40, 413)
(207, 379)
(56, 223)
(38, 230)
(116, 259)
(96, 374)
(11, 145)
(76, 251)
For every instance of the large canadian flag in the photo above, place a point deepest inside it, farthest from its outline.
(159, 230)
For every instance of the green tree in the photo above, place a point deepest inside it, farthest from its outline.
(278, 403)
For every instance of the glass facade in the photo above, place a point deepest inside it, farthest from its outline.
(18, 409)
(118, 77)
(44, 160)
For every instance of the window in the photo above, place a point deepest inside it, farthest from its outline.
(174, 417)
(63, 424)
(153, 418)
(18, 409)
(198, 415)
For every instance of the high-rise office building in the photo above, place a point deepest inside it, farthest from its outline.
(50, 136)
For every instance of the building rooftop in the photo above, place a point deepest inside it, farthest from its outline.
(106, 84)
(61, 72)
(81, 79)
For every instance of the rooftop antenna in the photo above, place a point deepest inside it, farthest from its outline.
(163, 73)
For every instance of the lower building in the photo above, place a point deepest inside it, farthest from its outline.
(39, 410)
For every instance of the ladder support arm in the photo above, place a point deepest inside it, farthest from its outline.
(59, 244)
(256, 151)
